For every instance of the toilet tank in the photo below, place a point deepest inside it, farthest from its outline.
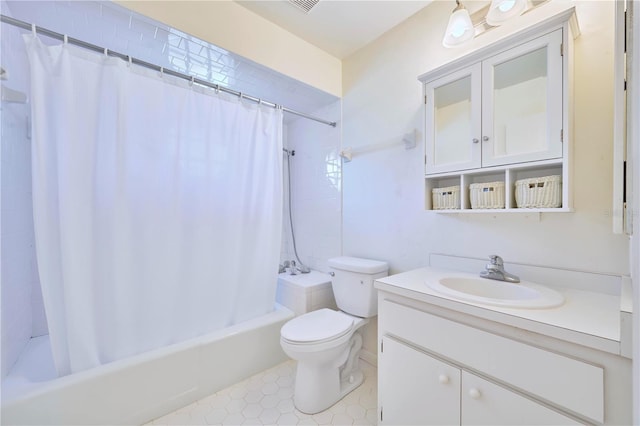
(352, 284)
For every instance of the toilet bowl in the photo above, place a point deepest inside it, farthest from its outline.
(326, 343)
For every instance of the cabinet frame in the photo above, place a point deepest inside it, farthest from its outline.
(474, 145)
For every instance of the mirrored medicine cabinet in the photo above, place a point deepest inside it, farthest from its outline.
(502, 114)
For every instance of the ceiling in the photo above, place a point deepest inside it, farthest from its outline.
(339, 27)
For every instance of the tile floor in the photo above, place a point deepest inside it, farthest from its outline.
(267, 399)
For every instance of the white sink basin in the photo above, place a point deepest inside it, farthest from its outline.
(497, 293)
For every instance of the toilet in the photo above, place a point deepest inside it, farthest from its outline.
(326, 343)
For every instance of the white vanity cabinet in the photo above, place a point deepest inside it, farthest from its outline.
(501, 114)
(418, 389)
(433, 370)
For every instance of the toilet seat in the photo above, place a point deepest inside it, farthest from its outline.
(323, 325)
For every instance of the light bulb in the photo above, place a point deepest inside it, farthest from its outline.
(501, 11)
(506, 5)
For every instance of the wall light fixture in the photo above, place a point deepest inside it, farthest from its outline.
(463, 27)
(460, 28)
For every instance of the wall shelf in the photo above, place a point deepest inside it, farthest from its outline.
(509, 175)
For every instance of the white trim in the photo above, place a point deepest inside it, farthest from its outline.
(619, 111)
(633, 139)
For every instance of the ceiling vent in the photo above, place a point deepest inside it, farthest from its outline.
(305, 5)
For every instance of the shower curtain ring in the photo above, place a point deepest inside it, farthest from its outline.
(130, 60)
(161, 72)
(193, 79)
(217, 89)
(34, 29)
(65, 39)
(106, 51)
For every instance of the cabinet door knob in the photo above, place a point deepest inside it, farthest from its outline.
(443, 378)
(485, 138)
(475, 140)
(474, 393)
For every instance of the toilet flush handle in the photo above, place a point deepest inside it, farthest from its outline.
(333, 274)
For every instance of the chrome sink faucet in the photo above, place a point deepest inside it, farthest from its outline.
(494, 270)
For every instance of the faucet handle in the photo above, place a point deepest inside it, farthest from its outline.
(293, 270)
(496, 260)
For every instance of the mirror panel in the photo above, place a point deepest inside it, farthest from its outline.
(452, 122)
(520, 104)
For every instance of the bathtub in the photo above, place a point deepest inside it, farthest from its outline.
(141, 388)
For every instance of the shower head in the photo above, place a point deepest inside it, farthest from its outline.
(289, 152)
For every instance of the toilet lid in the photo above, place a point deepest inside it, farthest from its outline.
(317, 326)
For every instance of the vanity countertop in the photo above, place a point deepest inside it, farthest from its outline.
(587, 318)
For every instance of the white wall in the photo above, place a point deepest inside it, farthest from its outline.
(316, 180)
(383, 211)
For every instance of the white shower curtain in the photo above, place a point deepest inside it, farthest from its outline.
(157, 206)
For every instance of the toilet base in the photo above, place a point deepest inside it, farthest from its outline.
(328, 388)
(349, 385)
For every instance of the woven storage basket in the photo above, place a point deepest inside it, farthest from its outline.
(446, 198)
(487, 195)
(539, 192)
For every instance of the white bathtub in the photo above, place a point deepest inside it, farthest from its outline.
(141, 388)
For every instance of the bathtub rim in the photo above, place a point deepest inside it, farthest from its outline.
(278, 314)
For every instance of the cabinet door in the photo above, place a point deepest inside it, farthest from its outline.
(485, 403)
(522, 103)
(453, 120)
(415, 388)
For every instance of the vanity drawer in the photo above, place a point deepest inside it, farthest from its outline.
(566, 382)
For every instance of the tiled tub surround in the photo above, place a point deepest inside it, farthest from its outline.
(110, 25)
(316, 190)
(591, 327)
(304, 293)
(140, 388)
(22, 308)
(267, 399)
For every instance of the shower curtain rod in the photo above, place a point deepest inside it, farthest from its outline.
(25, 25)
